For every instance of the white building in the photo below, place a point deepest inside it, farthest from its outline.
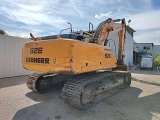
(128, 46)
(10, 56)
(141, 49)
(144, 47)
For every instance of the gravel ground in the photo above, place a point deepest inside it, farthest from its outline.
(139, 102)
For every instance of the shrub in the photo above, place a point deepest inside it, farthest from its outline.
(157, 60)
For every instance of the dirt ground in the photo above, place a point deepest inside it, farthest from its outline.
(141, 101)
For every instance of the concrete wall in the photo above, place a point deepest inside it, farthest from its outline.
(10, 56)
(128, 51)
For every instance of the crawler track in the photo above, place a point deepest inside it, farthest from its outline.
(83, 90)
(86, 92)
(32, 79)
(45, 82)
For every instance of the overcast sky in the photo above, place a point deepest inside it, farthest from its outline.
(48, 17)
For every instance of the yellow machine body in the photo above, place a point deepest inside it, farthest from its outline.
(68, 60)
(66, 56)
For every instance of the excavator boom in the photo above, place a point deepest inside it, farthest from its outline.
(110, 27)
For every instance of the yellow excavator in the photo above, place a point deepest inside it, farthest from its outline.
(88, 71)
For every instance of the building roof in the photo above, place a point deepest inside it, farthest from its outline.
(128, 28)
(144, 43)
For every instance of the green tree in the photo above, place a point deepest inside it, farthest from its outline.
(157, 62)
(2, 32)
